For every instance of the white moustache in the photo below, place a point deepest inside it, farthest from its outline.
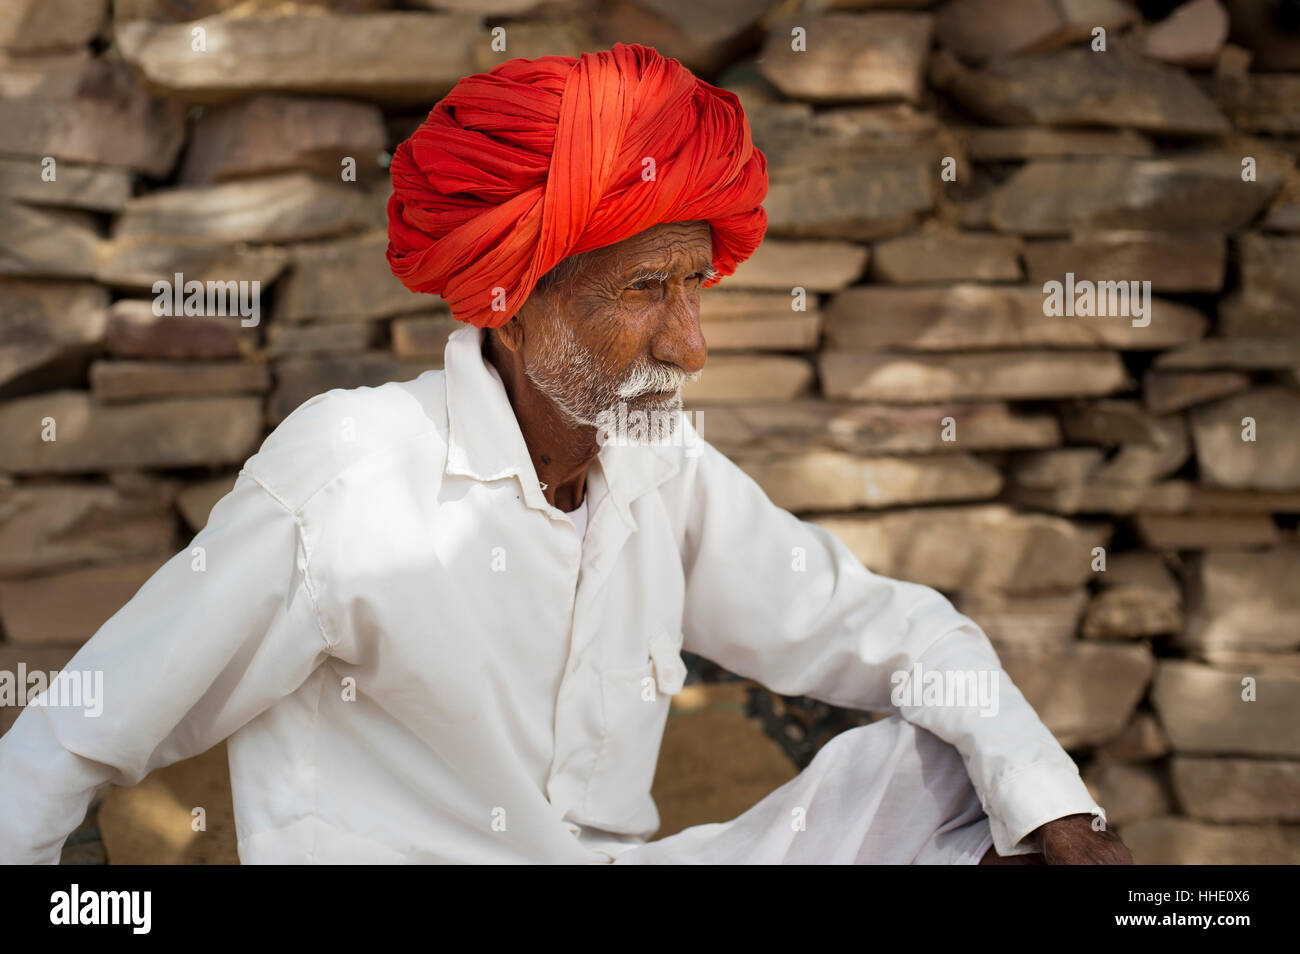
(653, 379)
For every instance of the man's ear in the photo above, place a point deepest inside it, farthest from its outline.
(511, 334)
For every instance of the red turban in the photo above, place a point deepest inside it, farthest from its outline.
(540, 159)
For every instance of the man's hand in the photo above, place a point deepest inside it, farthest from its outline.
(1072, 840)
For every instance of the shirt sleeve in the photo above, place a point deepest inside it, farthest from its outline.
(785, 602)
(217, 635)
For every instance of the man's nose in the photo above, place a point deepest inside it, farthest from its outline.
(680, 340)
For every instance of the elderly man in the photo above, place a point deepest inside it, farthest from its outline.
(442, 619)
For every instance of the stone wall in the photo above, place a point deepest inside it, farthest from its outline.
(1113, 498)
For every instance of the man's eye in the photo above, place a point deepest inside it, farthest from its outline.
(643, 284)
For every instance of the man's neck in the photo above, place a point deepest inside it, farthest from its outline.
(561, 451)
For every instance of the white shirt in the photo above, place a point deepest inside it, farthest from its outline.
(579, 518)
(416, 659)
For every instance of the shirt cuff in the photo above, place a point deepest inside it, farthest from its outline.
(1037, 794)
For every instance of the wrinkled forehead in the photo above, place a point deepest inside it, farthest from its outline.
(668, 246)
(676, 247)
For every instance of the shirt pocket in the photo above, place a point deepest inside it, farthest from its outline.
(636, 703)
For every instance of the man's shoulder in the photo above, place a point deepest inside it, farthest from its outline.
(337, 429)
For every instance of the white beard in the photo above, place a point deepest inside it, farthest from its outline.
(587, 393)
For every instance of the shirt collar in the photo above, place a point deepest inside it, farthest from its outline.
(484, 440)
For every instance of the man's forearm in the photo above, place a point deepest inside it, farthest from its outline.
(1023, 776)
(44, 790)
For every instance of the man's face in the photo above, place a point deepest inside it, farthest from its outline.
(622, 328)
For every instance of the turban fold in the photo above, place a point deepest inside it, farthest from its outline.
(520, 167)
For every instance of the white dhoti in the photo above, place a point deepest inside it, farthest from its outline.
(884, 793)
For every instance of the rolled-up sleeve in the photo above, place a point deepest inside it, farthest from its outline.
(784, 602)
(216, 636)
